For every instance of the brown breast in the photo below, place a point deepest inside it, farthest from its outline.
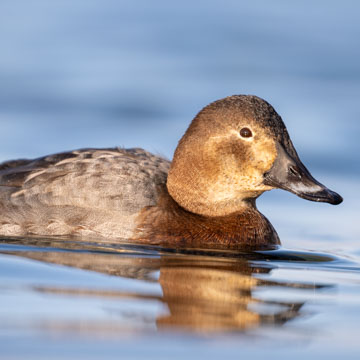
(168, 224)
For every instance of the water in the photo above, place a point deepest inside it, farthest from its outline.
(89, 73)
(132, 298)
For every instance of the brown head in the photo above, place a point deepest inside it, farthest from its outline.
(235, 149)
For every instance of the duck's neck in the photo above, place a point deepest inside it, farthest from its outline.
(209, 197)
(170, 224)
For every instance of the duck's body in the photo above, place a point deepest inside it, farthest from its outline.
(112, 193)
(208, 197)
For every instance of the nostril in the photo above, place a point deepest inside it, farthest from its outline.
(294, 171)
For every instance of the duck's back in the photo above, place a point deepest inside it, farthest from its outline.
(89, 191)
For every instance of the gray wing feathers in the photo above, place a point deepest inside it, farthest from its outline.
(90, 188)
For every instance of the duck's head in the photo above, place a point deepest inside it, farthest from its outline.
(235, 149)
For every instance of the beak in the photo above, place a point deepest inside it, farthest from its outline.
(289, 173)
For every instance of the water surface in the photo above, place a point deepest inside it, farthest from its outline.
(61, 291)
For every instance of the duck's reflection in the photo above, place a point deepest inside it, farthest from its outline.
(201, 293)
(208, 296)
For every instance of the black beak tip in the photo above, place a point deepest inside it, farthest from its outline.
(336, 198)
(329, 196)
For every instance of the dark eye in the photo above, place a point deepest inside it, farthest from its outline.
(245, 132)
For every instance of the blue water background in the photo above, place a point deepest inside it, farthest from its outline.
(91, 73)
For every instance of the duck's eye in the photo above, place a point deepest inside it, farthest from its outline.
(245, 132)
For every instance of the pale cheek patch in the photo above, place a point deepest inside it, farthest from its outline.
(265, 155)
(242, 174)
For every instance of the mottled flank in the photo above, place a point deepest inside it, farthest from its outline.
(83, 192)
(206, 197)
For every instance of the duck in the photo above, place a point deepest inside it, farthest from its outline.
(235, 149)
